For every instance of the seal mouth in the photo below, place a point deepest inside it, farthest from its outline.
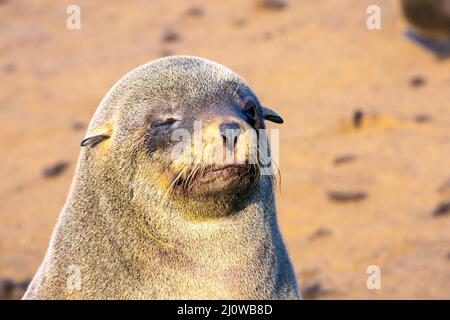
(212, 173)
(200, 179)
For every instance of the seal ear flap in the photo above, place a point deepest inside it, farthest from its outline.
(271, 115)
(104, 133)
(94, 140)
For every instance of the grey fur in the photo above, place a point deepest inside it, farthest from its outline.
(235, 256)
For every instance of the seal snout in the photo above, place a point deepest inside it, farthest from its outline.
(230, 132)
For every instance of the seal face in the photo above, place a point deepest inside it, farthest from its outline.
(196, 106)
(223, 129)
(171, 199)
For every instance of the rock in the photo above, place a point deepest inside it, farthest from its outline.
(347, 196)
(320, 233)
(347, 158)
(313, 290)
(273, 4)
(6, 288)
(55, 169)
(78, 125)
(11, 290)
(422, 118)
(358, 117)
(417, 81)
(170, 35)
(195, 11)
(442, 209)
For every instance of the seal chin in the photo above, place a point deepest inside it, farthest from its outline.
(216, 180)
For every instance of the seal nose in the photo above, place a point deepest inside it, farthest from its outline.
(230, 132)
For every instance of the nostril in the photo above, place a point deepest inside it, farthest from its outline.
(230, 132)
(230, 129)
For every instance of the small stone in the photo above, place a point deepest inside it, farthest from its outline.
(344, 159)
(442, 209)
(78, 125)
(55, 169)
(417, 81)
(195, 11)
(170, 35)
(313, 291)
(358, 116)
(320, 233)
(422, 118)
(273, 4)
(6, 288)
(347, 196)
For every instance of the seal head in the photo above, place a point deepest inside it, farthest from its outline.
(168, 200)
(193, 131)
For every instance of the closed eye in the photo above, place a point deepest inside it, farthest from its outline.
(164, 123)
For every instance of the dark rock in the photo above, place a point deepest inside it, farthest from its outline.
(320, 233)
(313, 291)
(422, 118)
(6, 288)
(55, 170)
(347, 196)
(273, 4)
(78, 125)
(170, 35)
(344, 159)
(11, 290)
(442, 209)
(358, 117)
(195, 11)
(417, 81)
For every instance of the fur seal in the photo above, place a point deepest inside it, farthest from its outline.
(139, 225)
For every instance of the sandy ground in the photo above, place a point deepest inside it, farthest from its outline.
(315, 62)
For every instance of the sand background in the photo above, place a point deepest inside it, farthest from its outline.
(315, 62)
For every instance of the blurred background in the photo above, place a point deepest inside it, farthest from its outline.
(365, 148)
